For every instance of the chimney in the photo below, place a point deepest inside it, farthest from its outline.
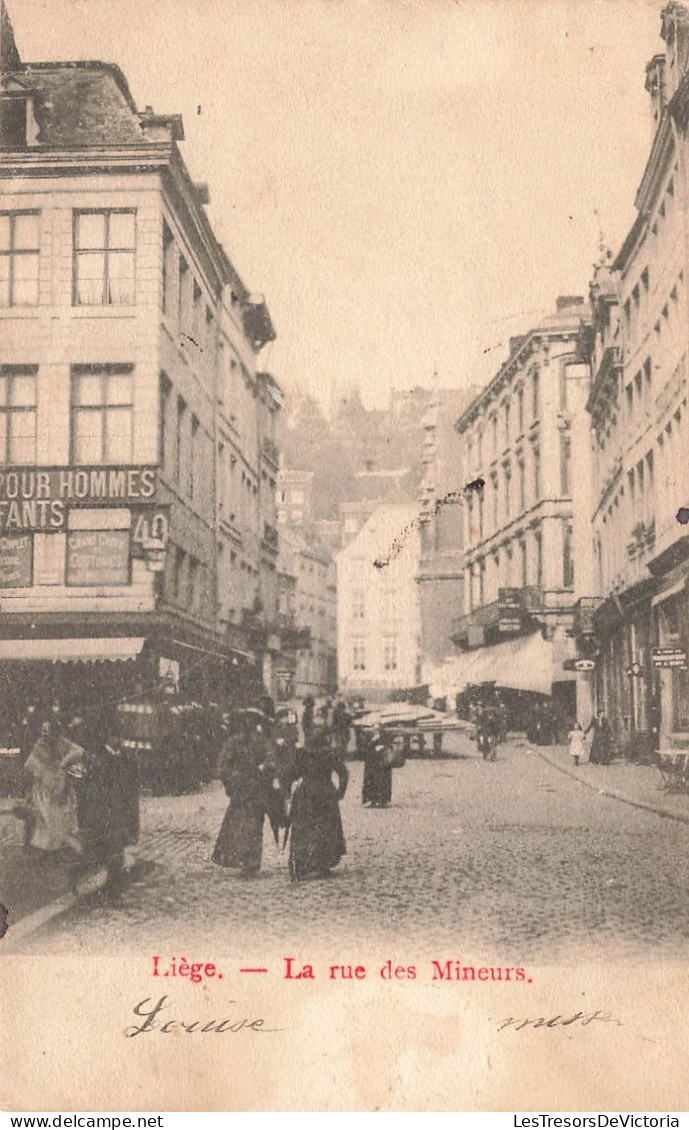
(566, 300)
(9, 56)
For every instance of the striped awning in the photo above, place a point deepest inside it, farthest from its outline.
(86, 650)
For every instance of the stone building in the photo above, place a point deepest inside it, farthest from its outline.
(638, 409)
(312, 602)
(378, 621)
(138, 434)
(524, 512)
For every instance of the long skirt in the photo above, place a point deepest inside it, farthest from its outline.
(55, 813)
(240, 840)
(377, 787)
(317, 841)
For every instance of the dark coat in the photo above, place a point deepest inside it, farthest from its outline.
(109, 808)
(246, 769)
(317, 841)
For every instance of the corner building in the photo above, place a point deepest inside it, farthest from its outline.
(525, 519)
(138, 435)
(639, 414)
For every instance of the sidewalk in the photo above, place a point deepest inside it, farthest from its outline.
(638, 785)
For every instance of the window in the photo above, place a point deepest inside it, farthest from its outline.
(182, 292)
(193, 456)
(298, 497)
(19, 258)
(14, 114)
(520, 410)
(522, 485)
(180, 436)
(567, 556)
(507, 422)
(538, 540)
(508, 491)
(18, 414)
(536, 473)
(390, 655)
(165, 392)
(104, 245)
(565, 459)
(359, 657)
(168, 258)
(522, 560)
(358, 604)
(194, 584)
(102, 413)
(536, 395)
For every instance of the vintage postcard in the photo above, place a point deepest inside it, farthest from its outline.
(344, 564)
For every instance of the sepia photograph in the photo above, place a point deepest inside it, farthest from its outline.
(344, 554)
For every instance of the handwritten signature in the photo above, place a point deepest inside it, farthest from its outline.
(582, 1018)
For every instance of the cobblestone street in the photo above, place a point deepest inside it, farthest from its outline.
(515, 860)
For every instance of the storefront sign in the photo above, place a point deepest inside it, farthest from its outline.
(584, 664)
(150, 526)
(509, 625)
(16, 557)
(669, 657)
(98, 557)
(39, 498)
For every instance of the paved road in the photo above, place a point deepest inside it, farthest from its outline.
(511, 861)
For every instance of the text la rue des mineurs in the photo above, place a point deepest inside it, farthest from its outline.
(294, 969)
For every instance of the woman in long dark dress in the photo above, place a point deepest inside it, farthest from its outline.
(317, 842)
(377, 786)
(248, 773)
(601, 745)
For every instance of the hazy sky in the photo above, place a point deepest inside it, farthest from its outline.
(409, 182)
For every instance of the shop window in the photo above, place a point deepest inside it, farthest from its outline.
(104, 247)
(359, 657)
(18, 414)
(19, 258)
(102, 414)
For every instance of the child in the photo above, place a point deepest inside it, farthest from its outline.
(577, 742)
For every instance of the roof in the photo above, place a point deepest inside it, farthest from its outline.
(79, 103)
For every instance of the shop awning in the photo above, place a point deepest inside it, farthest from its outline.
(85, 650)
(526, 663)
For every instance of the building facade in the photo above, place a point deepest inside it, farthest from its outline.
(138, 450)
(638, 409)
(312, 601)
(441, 567)
(378, 618)
(524, 512)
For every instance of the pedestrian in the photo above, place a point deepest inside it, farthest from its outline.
(317, 842)
(577, 743)
(308, 716)
(53, 796)
(377, 786)
(110, 805)
(340, 727)
(601, 744)
(248, 772)
(285, 737)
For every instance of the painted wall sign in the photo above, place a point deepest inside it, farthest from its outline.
(38, 498)
(669, 657)
(16, 561)
(97, 557)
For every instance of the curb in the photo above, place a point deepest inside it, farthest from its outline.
(646, 805)
(88, 886)
(39, 918)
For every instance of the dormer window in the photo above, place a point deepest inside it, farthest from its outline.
(18, 126)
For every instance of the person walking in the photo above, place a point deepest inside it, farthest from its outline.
(601, 744)
(317, 842)
(377, 786)
(53, 796)
(308, 716)
(341, 727)
(110, 804)
(577, 743)
(248, 772)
